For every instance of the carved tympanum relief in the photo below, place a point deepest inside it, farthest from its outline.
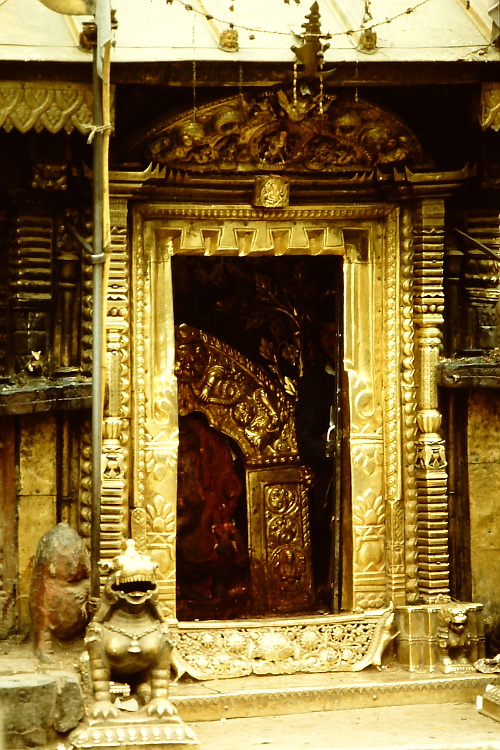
(281, 132)
(243, 401)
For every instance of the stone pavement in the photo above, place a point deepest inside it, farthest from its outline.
(449, 726)
(376, 710)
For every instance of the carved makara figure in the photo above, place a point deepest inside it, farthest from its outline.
(128, 638)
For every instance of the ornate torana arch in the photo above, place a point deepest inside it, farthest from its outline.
(279, 131)
(240, 400)
(237, 396)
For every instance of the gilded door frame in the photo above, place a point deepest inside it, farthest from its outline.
(376, 303)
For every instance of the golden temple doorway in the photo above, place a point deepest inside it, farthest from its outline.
(193, 371)
(257, 181)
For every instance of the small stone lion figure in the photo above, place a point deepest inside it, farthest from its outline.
(128, 641)
(453, 640)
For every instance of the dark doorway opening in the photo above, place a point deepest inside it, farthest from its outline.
(269, 309)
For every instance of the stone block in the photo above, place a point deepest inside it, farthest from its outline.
(37, 708)
(28, 702)
(69, 708)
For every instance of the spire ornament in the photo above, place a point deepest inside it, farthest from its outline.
(312, 51)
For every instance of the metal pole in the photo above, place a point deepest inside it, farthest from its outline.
(97, 258)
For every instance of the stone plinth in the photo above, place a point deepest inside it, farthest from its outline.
(420, 629)
(135, 731)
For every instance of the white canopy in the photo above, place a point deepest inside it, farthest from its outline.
(158, 30)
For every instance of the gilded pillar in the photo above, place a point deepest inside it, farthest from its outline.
(116, 421)
(364, 364)
(155, 408)
(431, 474)
(409, 407)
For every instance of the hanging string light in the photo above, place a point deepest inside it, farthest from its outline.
(368, 45)
(262, 30)
(194, 68)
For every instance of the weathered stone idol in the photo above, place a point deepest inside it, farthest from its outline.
(129, 653)
(59, 588)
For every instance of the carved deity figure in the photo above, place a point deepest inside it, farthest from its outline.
(127, 641)
(59, 588)
(211, 553)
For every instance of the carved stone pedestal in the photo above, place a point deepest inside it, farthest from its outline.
(427, 639)
(134, 732)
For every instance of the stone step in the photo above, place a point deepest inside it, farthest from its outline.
(276, 695)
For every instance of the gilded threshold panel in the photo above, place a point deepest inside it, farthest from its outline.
(154, 404)
(116, 420)
(431, 474)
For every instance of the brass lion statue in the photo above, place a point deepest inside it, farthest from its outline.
(128, 641)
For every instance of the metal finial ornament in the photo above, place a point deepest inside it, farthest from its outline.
(312, 51)
(368, 38)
